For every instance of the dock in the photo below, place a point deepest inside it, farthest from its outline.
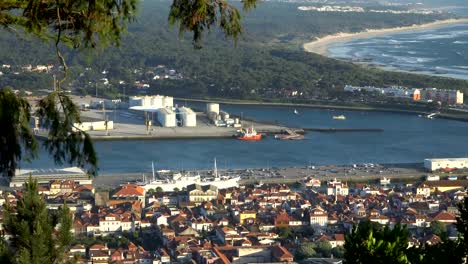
(344, 129)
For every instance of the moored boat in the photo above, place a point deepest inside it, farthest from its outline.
(249, 134)
(340, 117)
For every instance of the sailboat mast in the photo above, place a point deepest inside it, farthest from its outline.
(152, 167)
(215, 170)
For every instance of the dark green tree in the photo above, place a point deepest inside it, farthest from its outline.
(324, 248)
(462, 224)
(16, 138)
(371, 244)
(38, 237)
(306, 250)
(159, 189)
(338, 252)
(438, 228)
(285, 232)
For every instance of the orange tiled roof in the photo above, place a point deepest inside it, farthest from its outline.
(130, 190)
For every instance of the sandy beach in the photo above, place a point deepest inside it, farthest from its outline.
(321, 45)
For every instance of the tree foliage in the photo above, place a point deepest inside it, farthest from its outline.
(37, 236)
(462, 224)
(438, 228)
(75, 22)
(324, 248)
(66, 143)
(371, 244)
(306, 250)
(16, 138)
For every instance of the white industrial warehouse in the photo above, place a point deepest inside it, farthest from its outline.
(167, 117)
(188, 117)
(446, 164)
(150, 102)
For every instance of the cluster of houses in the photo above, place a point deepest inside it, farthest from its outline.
(243, 225)
(449, 97)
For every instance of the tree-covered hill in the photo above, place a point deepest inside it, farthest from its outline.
(266, 61)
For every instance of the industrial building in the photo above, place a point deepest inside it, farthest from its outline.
(44, 176)
(446, 164)
(150, 102)
(188, 117)
(167, 117)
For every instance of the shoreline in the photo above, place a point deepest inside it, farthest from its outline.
(370, 108)
(321, 45)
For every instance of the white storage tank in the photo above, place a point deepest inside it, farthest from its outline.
(188, 116)
(168, 101)
(157, 101)
(224, 115)
(167, 117)
(213, 116)
(212, 107)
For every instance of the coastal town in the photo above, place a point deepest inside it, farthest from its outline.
(233, 132)
(253, 223)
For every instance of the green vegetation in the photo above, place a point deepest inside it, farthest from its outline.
(266, 63)
(371, 243)
(38, 237)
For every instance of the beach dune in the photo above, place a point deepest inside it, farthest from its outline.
(321, 45)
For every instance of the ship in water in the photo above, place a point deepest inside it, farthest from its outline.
(339, 117)
(289, 135)
(169, 181)
(296, 112)
(249, 134)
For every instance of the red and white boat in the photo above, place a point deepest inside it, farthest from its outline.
(249, 134)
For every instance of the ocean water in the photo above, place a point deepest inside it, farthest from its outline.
(406, 138)
(441, 51)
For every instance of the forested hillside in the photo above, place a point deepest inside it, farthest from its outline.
(266, 61)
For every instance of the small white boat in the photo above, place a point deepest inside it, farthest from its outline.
(340, 117)
(296, 112)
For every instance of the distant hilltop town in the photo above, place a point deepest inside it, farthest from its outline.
(449, 97)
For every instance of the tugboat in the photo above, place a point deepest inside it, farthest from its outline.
(249, 134)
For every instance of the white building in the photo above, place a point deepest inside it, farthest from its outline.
(167, 117)
(150, 102)
(188, 116)
(423, 190)
(337, 188)
(318, 217)
(445, 164)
